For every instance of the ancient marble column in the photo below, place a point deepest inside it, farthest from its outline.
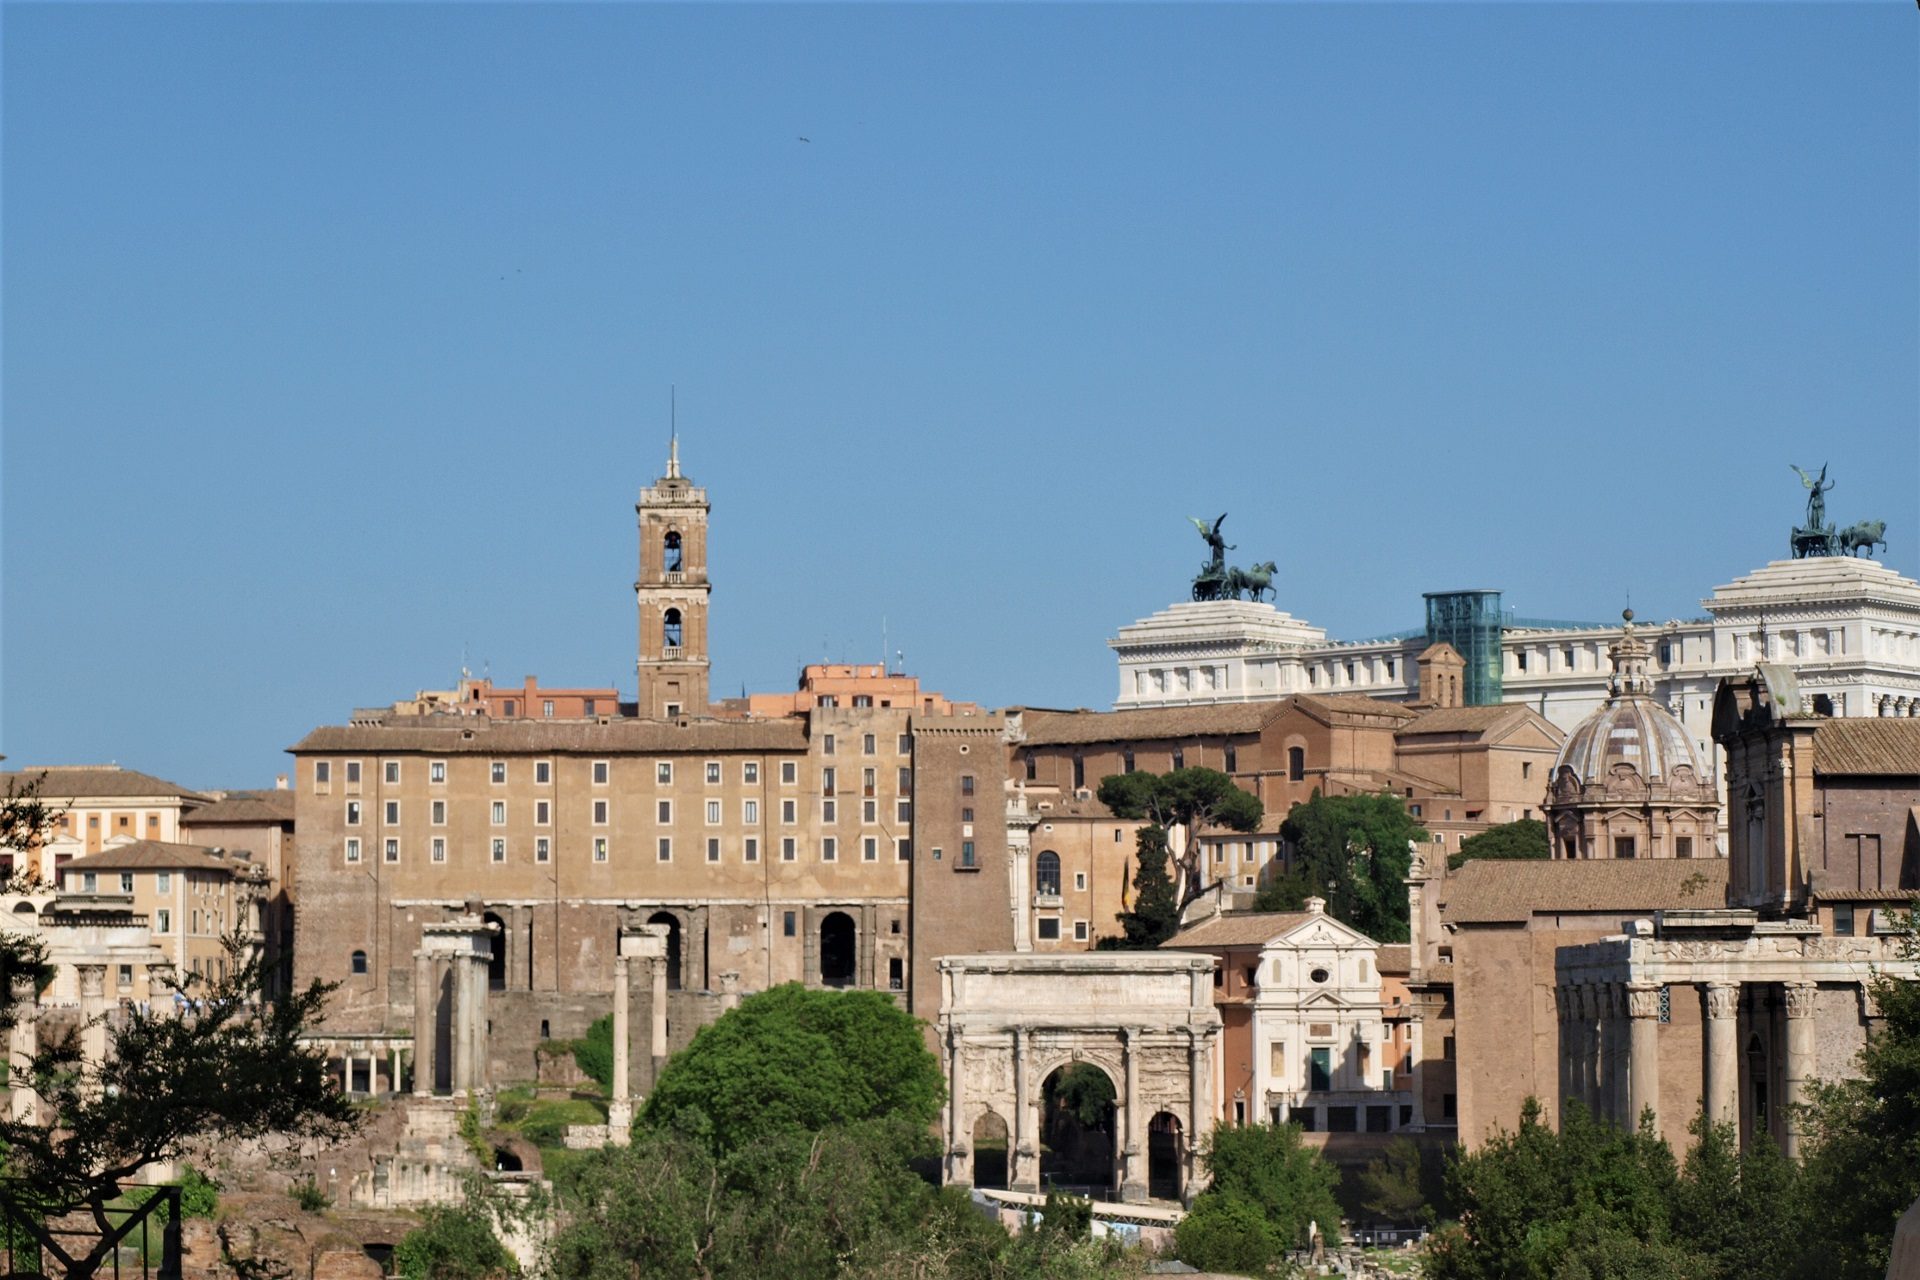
(620, 1109)
(1643, 1050)
(23, 1043)
(1022, 1173)
(93, 1015)
(1198, 1121)
(959, 1137)
(426, 992)
(657, 1041)
(1133, 1183)
(1723, 1052)
(1800, 1041)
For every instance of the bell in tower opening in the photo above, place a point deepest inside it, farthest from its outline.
(672, 593)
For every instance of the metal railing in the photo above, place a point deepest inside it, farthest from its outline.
(133, 1231)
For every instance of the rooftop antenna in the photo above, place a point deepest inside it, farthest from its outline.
(673, 427)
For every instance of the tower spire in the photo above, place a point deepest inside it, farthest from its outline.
(673, 437)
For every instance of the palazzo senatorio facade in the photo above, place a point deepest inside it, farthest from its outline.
(1824, 835)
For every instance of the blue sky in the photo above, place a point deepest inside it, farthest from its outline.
(338, 339)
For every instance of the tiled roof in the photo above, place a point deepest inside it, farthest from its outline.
(480, 734)
(1861, 744)
(158, 854)
(245, 806)
(1490, 890)
(86, 782)
(1356, 704)
(1397, 959)
(1239, 929)
(1045, 728)
(1461, 719)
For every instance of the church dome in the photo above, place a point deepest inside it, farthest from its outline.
(1630, 728)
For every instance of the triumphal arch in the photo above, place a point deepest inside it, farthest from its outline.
(1104, 1062)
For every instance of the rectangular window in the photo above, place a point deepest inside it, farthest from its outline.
(902, 850)
(322, 773)
(499, 850)
(826, 745)
(543, 772)
(966, 784)
(600, 808)
(353, 773)
(1446, 1048)
(1843, 922)
(713, 813)
(599, 773)
(163, 881)
(750, 812)
(904, 783)
(599, 848)
(829, 811)
(713, 848)
(500, 813)
(788, 771)
(905, 745)
(752, 849)
(867, 745)
(868, 782)
(163, 921)
(1048, 928)
(393, 813)
(1682, 845)
(437, 813)
(663, 772)
(826, 781)
(542, 812)
(663, 811)
(750, 772)
(966, 853)
(497, 772)
(542, 849)
(829, 849)
(439, 849)
(788, 812)
(788, 849)
(437, 771)
(903, 811)
(869, 851)
(393, 772)
(1623, 846)
(665, 849)
(546, 707)
(869, 811)
(393, 851)
(353, 813)
(126, 882)
(789, 924)
(713, 773)
(1320, 1070)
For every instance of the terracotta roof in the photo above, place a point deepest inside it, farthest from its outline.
(480, 734)
(1862, 744)
(1044, 728)
(85, 782)
(153, 853)
(1461, 719)
(253, 807)
(1238, 929)
(1489, 890)
(1396, 959)
(1357, 704)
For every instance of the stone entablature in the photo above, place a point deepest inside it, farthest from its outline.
(1008, 1021)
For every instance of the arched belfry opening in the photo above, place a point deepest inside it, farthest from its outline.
(672, 922)
(670, 557)
(837, 960)
(672, 632)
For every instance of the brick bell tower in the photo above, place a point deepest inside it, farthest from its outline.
(672, 594)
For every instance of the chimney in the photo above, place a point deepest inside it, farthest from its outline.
(279, 782)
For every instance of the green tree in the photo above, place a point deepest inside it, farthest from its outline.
(1354, 851)
(454, 1242)
(1392, 1187)
(1085, 1092)
(790, 1059)
(593, 1052)
(1741, 1211)
(1861, 1159)
(1182, 803)
(1155, 916)
(1270, 1168)
(1525, 838)
(1227, 1233)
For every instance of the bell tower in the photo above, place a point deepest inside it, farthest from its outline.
(672, 593)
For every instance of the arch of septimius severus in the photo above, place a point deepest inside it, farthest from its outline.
(1146, 1019)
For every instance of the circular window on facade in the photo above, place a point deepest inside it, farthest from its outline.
(1318, 975)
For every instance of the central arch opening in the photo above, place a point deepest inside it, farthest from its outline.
(990, 1152)
(836, 950)
(1166, 1153)
(672, 922)
(1076, 1130)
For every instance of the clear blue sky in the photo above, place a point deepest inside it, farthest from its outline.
(338, 338)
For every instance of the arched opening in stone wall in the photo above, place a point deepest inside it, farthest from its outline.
(670, 553)
(990, 1152)
(1076, 1129)
(1166, 1153)
(672, 922)
(837, 950)
(497, 963)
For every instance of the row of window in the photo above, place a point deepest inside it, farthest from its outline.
(90, 881)
(663, 812)
(1047, 929)
(870, 846)
(714, 771)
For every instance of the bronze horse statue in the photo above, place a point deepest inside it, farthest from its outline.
(1866, 535)
(1254, 581)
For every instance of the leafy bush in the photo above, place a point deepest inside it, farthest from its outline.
(453, 1244)
(1524, 838)
(1226, 1233)
(593, 1052)
(310, 1197)
(199, 1194)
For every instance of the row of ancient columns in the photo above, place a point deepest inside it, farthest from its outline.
(1893, 706)
(1596, 1062)
(464, 974)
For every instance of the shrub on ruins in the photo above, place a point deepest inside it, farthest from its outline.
(453, 1242)
(1267, 1192)
(793, 1060)
(1523, 838)
(593, 1052)
(1353, 851)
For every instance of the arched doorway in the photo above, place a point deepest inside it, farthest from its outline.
(1076, 1129)
(990, 1152)
(837, 950)
(497, 962)
(672, 922)
(1166, 1154)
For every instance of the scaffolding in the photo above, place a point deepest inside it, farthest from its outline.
(1470, 621)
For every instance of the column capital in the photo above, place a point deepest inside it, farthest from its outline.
(1799, 998)
(93, 981)
(23, 989)
(1643, 999)
(1723, 999)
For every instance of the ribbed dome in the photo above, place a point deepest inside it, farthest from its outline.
(1630, 728)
